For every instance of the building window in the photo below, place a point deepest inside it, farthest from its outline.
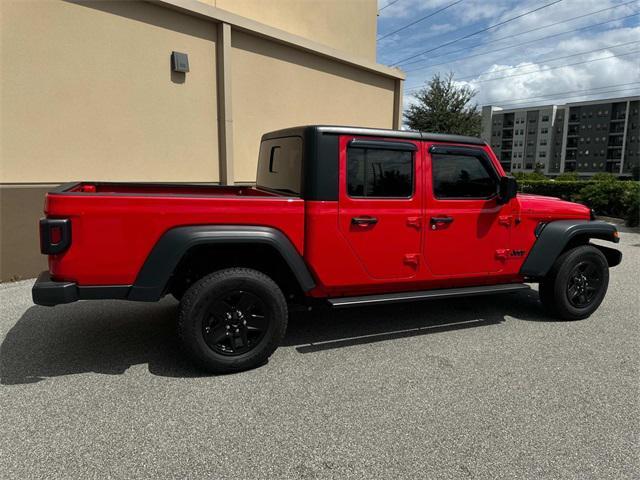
(545, 118)
(544, 130)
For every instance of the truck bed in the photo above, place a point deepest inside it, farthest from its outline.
(163, 189)
(114, 226)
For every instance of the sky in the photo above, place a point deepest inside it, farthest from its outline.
(509, 65)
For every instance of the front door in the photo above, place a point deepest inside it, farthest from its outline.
(467, 227)
(381, 204)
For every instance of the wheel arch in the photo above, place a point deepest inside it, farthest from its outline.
(557, 236)
(172, 247)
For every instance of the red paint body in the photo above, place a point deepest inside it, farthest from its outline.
(114, 227)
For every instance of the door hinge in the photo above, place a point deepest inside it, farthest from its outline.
(505, 220)
(414, 222)
(502, 253)
(412, 259)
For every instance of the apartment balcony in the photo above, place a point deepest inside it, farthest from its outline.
(569, 166)
(612, 167)
(616, 128)
(614, 154)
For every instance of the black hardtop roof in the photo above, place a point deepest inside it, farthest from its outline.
(373, 132)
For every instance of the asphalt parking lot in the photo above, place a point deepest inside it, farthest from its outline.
(479, 388)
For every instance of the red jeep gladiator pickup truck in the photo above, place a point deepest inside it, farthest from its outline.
(341, 216)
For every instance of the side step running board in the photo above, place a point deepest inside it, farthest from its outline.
(426, 295)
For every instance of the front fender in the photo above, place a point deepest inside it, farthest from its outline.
(554, 238)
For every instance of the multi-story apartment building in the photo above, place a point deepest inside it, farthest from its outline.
(582, 137)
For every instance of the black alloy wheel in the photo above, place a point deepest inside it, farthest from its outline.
(232, 320)
(576, 284)
(584, 283)
(235, 323)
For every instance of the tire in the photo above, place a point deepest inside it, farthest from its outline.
(576, 284)
(232, 320)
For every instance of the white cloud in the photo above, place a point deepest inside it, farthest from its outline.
(409, 10)
(543, 77)
(523, 79)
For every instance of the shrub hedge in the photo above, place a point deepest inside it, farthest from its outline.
(605, 195)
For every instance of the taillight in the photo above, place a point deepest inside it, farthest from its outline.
(55, 235)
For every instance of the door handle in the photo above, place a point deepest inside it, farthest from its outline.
(441, 219)
(364, 220)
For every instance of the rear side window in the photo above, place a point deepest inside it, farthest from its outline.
(280, 165)
(462, 176)
(379, 173)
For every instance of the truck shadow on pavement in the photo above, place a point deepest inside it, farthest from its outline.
(108, 337)
(321, 330)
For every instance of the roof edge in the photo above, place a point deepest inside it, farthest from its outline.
(376, 132)
(209, 12)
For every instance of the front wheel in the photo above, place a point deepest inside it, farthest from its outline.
(232, 320)
(576, 284)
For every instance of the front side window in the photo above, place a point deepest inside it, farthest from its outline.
(375, 172)
(463, 176)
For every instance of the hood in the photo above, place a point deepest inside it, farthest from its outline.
(551, 206)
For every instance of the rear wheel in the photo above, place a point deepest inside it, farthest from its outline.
(232, 320)
(576, 284)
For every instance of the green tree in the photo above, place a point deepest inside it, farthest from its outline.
(444, 107)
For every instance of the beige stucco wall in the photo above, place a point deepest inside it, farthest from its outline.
(346, 25)
(20, 208)
(87, 93)
(275, 86)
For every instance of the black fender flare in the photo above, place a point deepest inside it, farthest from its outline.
(154, 275)
(556, 235)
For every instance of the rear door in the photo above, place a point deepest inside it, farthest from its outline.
(468, 230)
(380, 204)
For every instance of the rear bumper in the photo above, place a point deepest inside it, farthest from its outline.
(48, 292)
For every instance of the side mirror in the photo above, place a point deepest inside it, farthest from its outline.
(508, 189)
